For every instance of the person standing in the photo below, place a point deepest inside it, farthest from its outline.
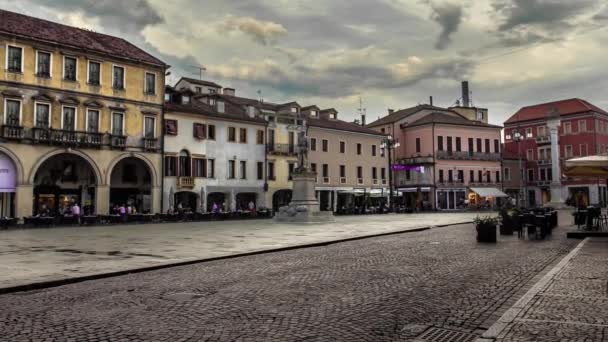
(76, 212)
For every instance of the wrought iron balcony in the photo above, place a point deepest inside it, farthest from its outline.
(12, 132)
(282, 149)
(416, 160)
(66, 137)
(467, 155)
(450, 183)
(545, 162)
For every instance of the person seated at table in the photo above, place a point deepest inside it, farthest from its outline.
(44, 211)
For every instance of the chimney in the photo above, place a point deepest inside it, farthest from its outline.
(229, 91)
(431, 100)
(390, 111)
(362, 119)
(465, 94)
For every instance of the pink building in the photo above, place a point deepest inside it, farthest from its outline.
(450, 158)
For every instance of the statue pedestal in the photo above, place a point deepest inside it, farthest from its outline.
(304, 207)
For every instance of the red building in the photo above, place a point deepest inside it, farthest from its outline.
(583, 131)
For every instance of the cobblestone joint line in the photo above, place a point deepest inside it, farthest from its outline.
(511, 314)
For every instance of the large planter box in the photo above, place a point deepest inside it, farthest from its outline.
(486, 233)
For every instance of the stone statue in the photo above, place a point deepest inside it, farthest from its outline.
(302, 151)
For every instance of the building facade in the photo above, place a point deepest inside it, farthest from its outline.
(445, 160)
(351, 166)
(214, 154)
(81, 115)
(583, 131)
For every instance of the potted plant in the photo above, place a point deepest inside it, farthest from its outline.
(486, 228)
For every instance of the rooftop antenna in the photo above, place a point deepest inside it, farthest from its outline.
(362, 111)
(260, 97)
(201, 69)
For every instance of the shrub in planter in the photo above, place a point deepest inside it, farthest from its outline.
(486, 228)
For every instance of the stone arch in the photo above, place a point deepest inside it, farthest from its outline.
(96, 170)
(155, 180)
(16, 162)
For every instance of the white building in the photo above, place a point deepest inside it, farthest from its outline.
(214, 153)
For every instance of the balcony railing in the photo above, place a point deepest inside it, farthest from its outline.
(543, 139)
(544, 162)
(326, 180)
(66, 137)
(118, 141)
(282, 149)
(52, 136)
(384, 182)
(185, 182)
(359, 181)
(12, 132)
(150, 144)
(467, 155)
(342, 180)
(417, 160)
(484, 184)
(451, 183)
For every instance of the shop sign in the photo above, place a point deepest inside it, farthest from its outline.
(415, 168)
(8, 175)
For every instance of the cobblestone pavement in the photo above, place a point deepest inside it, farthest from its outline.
(573, 306)
(38, 255)
(389, 288)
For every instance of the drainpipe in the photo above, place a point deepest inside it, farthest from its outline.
(434, 165)
(162, 154)
(265, 163)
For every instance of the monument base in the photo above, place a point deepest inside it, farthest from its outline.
(304, 207)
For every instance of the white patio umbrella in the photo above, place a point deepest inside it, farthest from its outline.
(203, 208)
(171, 197)
(590, 166)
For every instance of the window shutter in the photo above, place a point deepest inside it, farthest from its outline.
(200, 131)
(171, 127)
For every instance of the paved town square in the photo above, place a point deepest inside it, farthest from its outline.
(40, 255)
(389, 288)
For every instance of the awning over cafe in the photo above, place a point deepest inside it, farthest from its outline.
(489, 192)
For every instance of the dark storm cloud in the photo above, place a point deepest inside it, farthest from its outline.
(545, 13)
(448, 16)
(342, 79)
(116, 15)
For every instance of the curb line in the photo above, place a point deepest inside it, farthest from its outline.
(511, 314)
(74, 280)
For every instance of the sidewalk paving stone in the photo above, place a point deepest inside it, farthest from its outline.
(41, 255)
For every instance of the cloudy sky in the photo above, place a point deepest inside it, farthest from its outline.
(391, 53)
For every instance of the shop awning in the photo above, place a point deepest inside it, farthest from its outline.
(489, 192)
(408, 189)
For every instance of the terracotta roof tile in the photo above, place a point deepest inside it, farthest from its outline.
(342, 126)
(201, 82)
(565, 107)
(451, 119)
(402, 113)
(43, 30)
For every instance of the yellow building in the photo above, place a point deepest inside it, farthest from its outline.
(81, 115)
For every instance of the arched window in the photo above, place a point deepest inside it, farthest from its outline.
(185, 166)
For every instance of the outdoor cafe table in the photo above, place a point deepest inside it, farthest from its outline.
(46, 221)
(5, 222)
(89, 219)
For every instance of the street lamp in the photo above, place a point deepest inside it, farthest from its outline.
(517, 136)
(388, 144)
